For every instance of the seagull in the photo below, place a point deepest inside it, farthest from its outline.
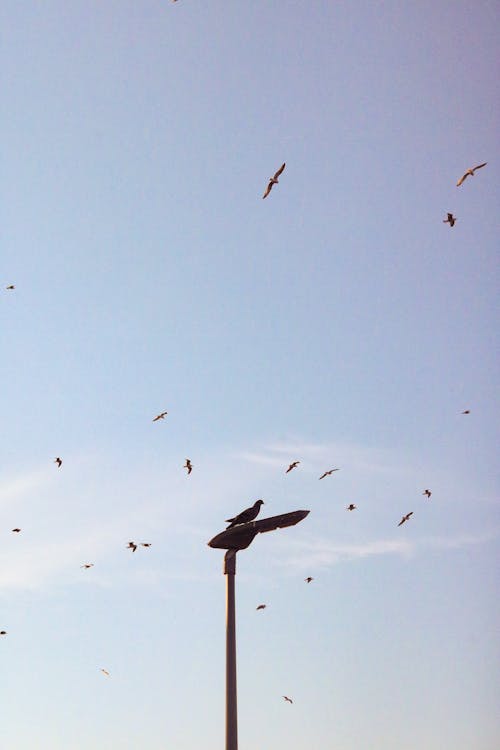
(145, 544)
(328, 473)
(273, 180)
(16, 530)
(450, 220)
(189, 466)
(292, 466)
(470, 172)
(160, 416)
(105, 671)
(58, 461)
(289, 700)
(11, 286)
(261, 606)
(87, 566)
(351, 506)
(132, 546)
(405, 518)
(427, 493)
(3, 632)
(308, 579)
(467, 411)
(246, 515)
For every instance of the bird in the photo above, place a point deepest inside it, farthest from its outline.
(292, 466)
(132, 546)
(450, 220)
(427, 493)
(160, 416)
(405, 518)
(246, 515)
(58, 461)
(308, 579)
(289, 700)
(87, 565)
(273, 180)
(105, 671)
(467, 411)
(145, 544)
(189, 466)
(261, 606)
(328, 473)
(470, 172)
(351, 506)
(11, 286)
(3, 632)
(16, 530)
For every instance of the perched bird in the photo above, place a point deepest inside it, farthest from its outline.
(351, 506)
(308, 579)
(145, 544)
(132, 546)
(470, 172)
(58, 461)
(405, 518)
(246, 515)
(16, 530)
(328, 473)
(273, 180)
(289, 700)
(3, 632)
(292, 466)
(261, 606)
(11, 286)
(160, 416)
(105, 671)
(87, 565)
(427, 493)
(467, 411)
(450, 220)
(189, 466)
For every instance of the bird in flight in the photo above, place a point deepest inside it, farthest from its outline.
(308, 579)
(289, 700)
(132, 546)
(11, 286)
(273, 180)
(87, 566)
(3, 632)
(351, 506)
(16, 530)
(105, 672)
(405, 518)
(470, 172)
(261, 606)
(246, 515)
(450, 220)
(292, 466)
(189, 466)
(58, 461)
(427, 493)
(467, 411)
(145, 544)
(160, 416)
(328, 473)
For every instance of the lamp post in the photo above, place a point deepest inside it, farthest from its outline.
(234, 539)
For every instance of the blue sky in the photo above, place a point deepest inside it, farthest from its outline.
(339, 323)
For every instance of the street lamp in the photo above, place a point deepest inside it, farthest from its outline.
(233, 539)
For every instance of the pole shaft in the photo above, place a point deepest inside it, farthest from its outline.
(231, 701)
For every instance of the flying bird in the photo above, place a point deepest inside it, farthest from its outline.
(3, 632)
(328, 473)
(427, 493)
(58, 461)
(87, 566)
(16, 530)
(289, 700)
(308, 579)
(405, 518)
(189, 466)
(246, 515)
(11, 286)
(470, 172)
(160, 416)
(351, 506)
(105, 671)
(450, 220)
(292, 466)
(467, 411)
(132, 546)
(273, 180)
(145, 544)
(261, 606)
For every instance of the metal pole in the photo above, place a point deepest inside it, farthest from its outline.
(231, 702)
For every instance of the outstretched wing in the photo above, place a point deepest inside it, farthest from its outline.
(479, 166)
(268, 189)
(463, 177)
(280, 170)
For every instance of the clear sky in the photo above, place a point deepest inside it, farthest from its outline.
(339, 322)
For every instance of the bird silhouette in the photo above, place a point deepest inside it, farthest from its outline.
(273, 180)
(467, 411)
(145, 544)
(246, 515)
(160, 416)
(58, 461)
(261, 606)
(405, 518)
(328, 473)
(427, 493)
(289, 700)
(450, 220)
(105, 672)
(351, 506)
(189, 466)
(308, 579)
(16, 530)
(470, 172)
(11, 286)
(87, 565)
(3, 632)
(292, 466)
(132, 546)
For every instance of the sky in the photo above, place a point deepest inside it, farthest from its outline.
(339, 323)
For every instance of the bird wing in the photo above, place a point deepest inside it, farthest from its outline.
(479, 166)
(280, 170)
(268, 189)
(463, 177)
